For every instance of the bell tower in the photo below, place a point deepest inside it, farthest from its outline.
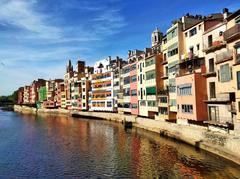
(156, 37)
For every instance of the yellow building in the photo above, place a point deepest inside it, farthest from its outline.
(232, 37)
(175, 48)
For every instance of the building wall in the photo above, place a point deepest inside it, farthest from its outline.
(142, 103)
(193, 41)
(196, 99)
(101, 104)
(236, 68)
(133, 86)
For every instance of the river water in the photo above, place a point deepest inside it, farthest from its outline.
(64, 147)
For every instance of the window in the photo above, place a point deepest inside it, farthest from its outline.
(163, 99)
(187, 109)
(238, 80)
(152, 103)
(126, 69)
(192, 32)
(165, 56)
(163, 110)
(185, 90)
(237, 54)
(173, 102)
(212, 90)
(211, 65)
(173, 49)
(173, 52)
(150, 75)
(84, 105)
(186, 34)
(126, 105)
(198, 46)
(172, 85)
(239, 106)
(133, 92)
(151, 90)
(134, 106)
(171, 34)
(109, 104)
(199, 27)
(116, 83)
(83, 89)
(209, 40)
(142, 103)
(133, 67)
(150, 62)
(83, 96)
(133, 79)
(237, 20)
(126, 80)
(126, 92)
(225, 73)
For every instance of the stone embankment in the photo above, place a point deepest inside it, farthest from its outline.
(225, 145)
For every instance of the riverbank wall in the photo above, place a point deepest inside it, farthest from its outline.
(222, 144)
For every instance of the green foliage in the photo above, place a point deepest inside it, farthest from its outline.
(11, 98)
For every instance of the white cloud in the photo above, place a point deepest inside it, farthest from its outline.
(34, 36)
(21, 13)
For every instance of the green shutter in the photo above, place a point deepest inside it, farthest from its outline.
(151, 90)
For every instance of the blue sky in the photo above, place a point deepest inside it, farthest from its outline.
(37, 37)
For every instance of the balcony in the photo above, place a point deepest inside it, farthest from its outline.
(224, 56)
(232, 33)
(221, 98)
(163, 101)
(218, 43)
(164, 76)
(189, 56)
(164, 62)
(163, 92)
(210, 73)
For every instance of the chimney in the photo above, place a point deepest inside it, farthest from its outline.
(225, 13)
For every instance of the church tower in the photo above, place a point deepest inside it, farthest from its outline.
(156, 37)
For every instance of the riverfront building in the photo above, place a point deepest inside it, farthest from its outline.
(232, 37)
(102, 86)
(130, 83)
(53, 94)
(189, 75)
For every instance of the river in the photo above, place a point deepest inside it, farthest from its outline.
(64, 147)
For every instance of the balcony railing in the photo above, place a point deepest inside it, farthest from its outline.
(224, 56)
(164, 61)
(217, 43)
(189, 56)
(163, 92)
(164, 76)
(232, 33)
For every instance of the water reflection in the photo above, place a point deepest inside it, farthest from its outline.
(61, 147)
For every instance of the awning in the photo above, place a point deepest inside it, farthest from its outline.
(151, 90)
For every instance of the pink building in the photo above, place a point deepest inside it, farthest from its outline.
(191, 93)
(133, 88)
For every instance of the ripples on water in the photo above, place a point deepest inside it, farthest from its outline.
(62, 147)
